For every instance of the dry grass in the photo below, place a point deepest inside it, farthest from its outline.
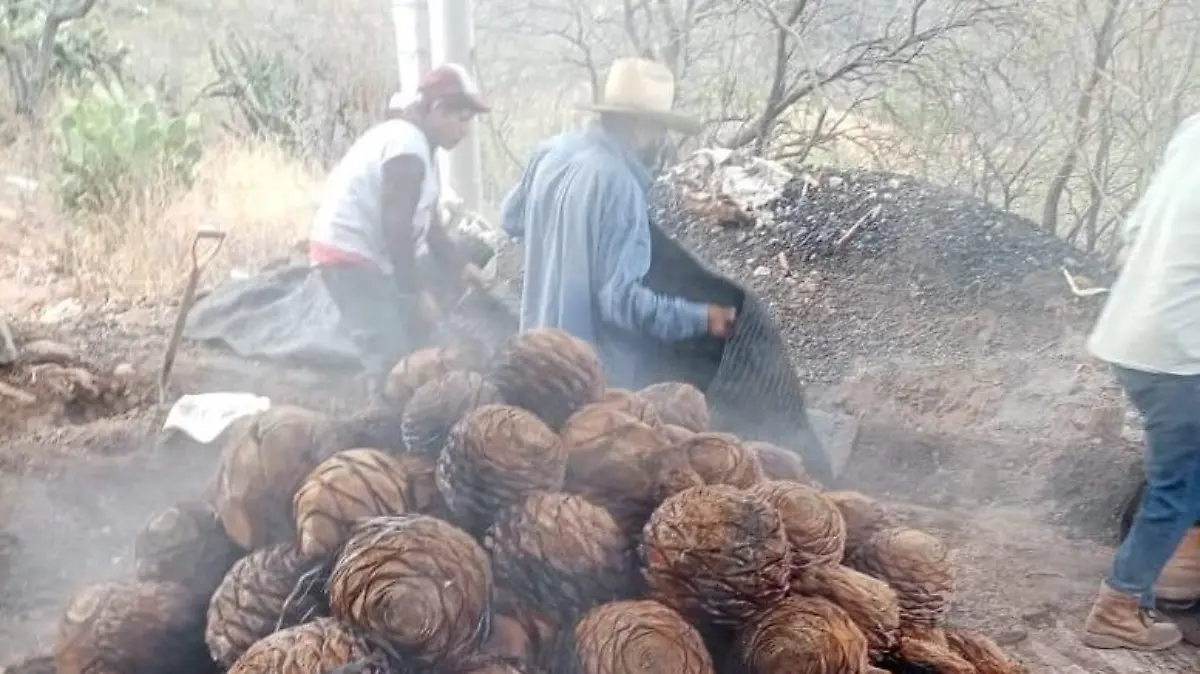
(262, 198)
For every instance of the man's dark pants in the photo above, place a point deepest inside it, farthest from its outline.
(375, 315)
(1170, 408)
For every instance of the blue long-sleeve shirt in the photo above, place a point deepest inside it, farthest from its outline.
(581, 207)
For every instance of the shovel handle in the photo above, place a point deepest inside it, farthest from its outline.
(216, 237)
(199, 262)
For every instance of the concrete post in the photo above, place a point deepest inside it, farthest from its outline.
(453, 40)
(410, 22)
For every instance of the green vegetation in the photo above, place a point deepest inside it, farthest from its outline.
(111, 144)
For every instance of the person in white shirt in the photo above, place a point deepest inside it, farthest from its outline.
(380, 210)
(1149, 331)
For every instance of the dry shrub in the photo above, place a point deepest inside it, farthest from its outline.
(263, 199)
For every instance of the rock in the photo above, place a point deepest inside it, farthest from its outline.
(837, 433)
(124, 372)
(13, 393)
(8, 346)
(45, 351)
(64, 310)
(859, 233)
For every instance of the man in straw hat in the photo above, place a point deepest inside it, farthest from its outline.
(582, 208)
(380, 210)
(1149, 331)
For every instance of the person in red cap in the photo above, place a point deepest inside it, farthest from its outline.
(380, 210)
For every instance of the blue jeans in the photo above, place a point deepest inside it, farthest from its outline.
(1170, 408)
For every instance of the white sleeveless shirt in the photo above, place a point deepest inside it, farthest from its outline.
(350, 217)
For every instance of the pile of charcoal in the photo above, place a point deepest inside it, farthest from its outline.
(948, 244)
(869, 265)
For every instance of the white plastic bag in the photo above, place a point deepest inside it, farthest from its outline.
(205, 416)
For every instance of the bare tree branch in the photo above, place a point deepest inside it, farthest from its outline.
(868, 54)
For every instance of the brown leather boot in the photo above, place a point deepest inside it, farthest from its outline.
(1117, 620)
(1186, 617)
(1180, 578)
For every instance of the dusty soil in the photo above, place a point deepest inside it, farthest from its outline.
(84, 490)
(948, 329)
(74, 490)
(988, 427)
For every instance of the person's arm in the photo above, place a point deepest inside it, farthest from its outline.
(442, 247)
(401, 193)
(621, 211)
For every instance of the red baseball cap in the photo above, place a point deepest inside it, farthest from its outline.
(451, 80)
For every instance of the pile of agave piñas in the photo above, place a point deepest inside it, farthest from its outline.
(517, 516)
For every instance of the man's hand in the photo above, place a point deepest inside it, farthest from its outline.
(721, 320)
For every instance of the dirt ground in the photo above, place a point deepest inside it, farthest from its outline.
(74, 494)
(1012, 460)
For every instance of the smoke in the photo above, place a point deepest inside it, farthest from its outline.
(77, 527)
(75, 524)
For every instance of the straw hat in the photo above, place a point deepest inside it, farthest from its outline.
(644, 88)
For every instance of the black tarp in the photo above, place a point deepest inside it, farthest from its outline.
(749, 379)
(284, 315)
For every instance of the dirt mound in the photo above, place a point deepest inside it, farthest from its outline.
(881, 265)
(916, 307)
(51, 385)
